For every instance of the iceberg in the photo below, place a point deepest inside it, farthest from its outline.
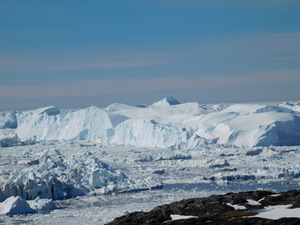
(15, 205)
(86, 124)
(166, 124)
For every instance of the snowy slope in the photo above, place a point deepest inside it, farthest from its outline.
(167, 124)
(241, 127)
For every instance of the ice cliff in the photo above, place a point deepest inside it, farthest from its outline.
(166, 124)
(86, 124)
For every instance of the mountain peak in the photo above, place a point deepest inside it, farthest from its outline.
(166, 102)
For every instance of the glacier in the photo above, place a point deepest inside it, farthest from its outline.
(166, 124)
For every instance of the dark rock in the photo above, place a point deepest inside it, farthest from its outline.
(214, 210)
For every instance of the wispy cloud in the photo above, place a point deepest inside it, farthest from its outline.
(93, 87)
(217, 3)
(270, 46)
(77, 60)
(284, 43)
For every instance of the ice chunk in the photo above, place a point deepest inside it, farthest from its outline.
(15, 205)
(42, 204)
(8, 120)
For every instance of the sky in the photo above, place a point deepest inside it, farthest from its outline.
(73, 53)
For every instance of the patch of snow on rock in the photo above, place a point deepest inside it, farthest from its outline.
(237, 207)
(278, 211)
(180, 217)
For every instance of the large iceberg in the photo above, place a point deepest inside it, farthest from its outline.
(167, 124)
(86, 124)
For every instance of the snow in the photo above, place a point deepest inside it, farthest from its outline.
(278, 211)
(49, 110)
(236, 207)
(180, 217)
(275, 195)
(270, 212)
(252, 202)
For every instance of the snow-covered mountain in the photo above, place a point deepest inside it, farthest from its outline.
(166, 124)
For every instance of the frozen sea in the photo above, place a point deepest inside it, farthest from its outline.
(161, 176)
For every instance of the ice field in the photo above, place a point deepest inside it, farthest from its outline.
(88, 166)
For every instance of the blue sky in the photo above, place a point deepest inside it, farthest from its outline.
(81, 53)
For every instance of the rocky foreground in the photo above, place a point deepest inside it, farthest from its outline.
(231, 208)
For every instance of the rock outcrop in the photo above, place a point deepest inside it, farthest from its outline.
(228, 209)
